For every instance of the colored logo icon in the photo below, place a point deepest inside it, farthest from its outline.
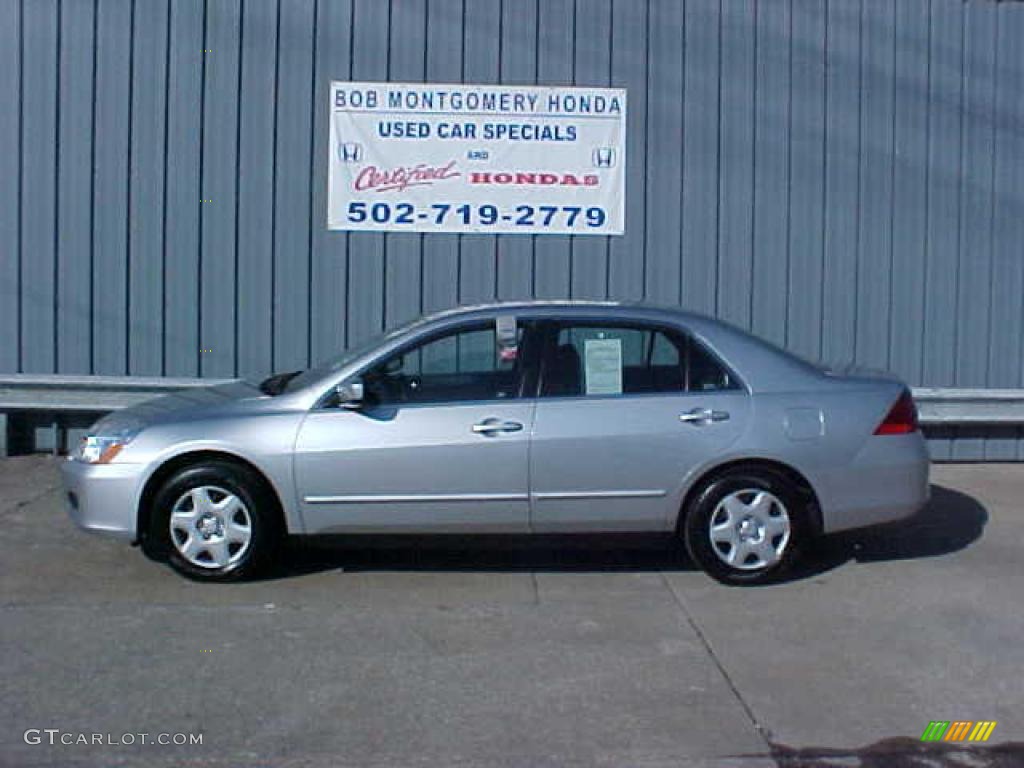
(604, 157)
(958, 730)
(350, 152)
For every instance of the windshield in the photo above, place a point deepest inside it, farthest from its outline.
(329, 367)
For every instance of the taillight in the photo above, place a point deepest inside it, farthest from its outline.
(901, 419)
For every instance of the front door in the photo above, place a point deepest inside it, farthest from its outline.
(625, 412)
(440, 443)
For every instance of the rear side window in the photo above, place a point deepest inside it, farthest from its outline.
(592, 360)
(704, 372)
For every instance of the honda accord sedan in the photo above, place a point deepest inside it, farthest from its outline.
(514, 418)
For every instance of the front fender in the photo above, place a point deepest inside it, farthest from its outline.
(269, 452)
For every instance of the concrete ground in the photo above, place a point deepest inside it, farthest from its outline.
(597, 652)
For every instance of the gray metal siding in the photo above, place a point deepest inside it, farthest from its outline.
(845, 178)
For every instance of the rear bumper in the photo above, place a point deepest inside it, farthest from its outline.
(886, 481)
(101, 497)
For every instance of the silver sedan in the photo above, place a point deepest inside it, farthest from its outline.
(514, 418)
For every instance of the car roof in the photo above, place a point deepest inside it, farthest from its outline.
(572, 307)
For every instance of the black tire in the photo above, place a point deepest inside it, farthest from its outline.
(696, 525)
(261, 512)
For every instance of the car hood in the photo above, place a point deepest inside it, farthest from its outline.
(199, 402)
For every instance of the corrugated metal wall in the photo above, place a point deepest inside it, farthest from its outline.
(844, 177)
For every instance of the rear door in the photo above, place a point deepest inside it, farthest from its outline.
(625, 411)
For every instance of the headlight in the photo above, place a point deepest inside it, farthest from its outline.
(101, 449)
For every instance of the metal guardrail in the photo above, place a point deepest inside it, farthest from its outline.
(50, 412)
(965, 407)
(87, 394)
(56, 397)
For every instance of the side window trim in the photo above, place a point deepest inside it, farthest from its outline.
(545, 333)
(688, 341)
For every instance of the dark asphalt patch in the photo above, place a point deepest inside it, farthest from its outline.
(903, 752)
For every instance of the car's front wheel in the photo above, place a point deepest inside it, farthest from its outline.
(215, 522)
(745, 526)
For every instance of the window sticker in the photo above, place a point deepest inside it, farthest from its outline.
(603, 363)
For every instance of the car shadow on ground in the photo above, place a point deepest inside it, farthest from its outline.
(950, 522)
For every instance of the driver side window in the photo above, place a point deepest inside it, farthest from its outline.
(463, 365)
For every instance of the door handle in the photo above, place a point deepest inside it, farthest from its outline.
(703, 416)
(490, 426)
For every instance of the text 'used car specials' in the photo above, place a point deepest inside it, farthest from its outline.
(409, 157)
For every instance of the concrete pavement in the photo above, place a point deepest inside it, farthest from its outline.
(603, 651)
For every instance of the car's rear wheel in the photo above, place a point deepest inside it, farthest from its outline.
(745, 526)
(215, 522)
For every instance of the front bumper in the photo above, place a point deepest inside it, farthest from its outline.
(101, 497)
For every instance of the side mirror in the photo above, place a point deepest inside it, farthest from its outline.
(394, 365)
(349, 394)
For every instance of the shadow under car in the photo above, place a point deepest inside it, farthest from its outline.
(951, 521)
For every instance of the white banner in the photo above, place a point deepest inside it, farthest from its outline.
(414, 157)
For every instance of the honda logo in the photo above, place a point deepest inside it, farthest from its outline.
(604, 157)
(349, 152)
